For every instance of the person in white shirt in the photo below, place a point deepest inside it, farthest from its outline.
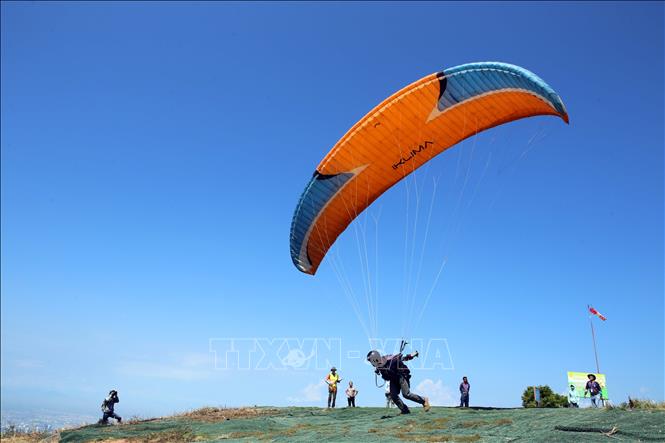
(351, 393)
(572, 397)
(389, 401)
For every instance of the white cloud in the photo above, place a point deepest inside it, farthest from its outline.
(197, 360)
(438, 393)
(313, 392)
(184, 368)
(28, 363)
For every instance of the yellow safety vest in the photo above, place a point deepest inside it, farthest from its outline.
(333, 379)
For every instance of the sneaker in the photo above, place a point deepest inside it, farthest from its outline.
(426, 405)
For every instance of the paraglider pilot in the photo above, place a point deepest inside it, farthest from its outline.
(392, 369)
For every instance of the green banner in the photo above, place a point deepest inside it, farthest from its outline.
(579, 380)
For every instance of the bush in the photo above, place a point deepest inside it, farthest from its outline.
(638, 403)
(13, 433)
(548, 398)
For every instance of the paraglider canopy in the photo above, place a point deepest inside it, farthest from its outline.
(401, 134)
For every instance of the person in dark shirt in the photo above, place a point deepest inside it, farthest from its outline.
(464, 388)
(593, 389)
(108, 406)
(393, 370)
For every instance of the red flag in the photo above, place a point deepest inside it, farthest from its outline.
(596, 313)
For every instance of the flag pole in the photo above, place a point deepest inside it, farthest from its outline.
(593, 337)
(595, 351)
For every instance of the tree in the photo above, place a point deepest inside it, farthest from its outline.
(548, 398)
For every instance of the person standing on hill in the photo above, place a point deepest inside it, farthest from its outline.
(389, 401)
(331, 380)
(572, 397)
(108, 406)
(593, 389)
(464, 388)
(351, 393)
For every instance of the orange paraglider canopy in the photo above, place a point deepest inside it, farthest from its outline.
(401, 134)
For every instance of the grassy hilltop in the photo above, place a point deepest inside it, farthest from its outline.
(379, 424)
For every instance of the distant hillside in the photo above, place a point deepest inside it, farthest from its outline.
(379, 424)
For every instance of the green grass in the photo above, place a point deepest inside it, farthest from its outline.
(382, 425)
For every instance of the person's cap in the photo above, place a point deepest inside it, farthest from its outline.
(591, 375)
(333, 368)
(572, 386)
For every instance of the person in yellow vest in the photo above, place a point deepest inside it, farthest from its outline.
(331, 380)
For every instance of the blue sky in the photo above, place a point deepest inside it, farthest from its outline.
(153, 154)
